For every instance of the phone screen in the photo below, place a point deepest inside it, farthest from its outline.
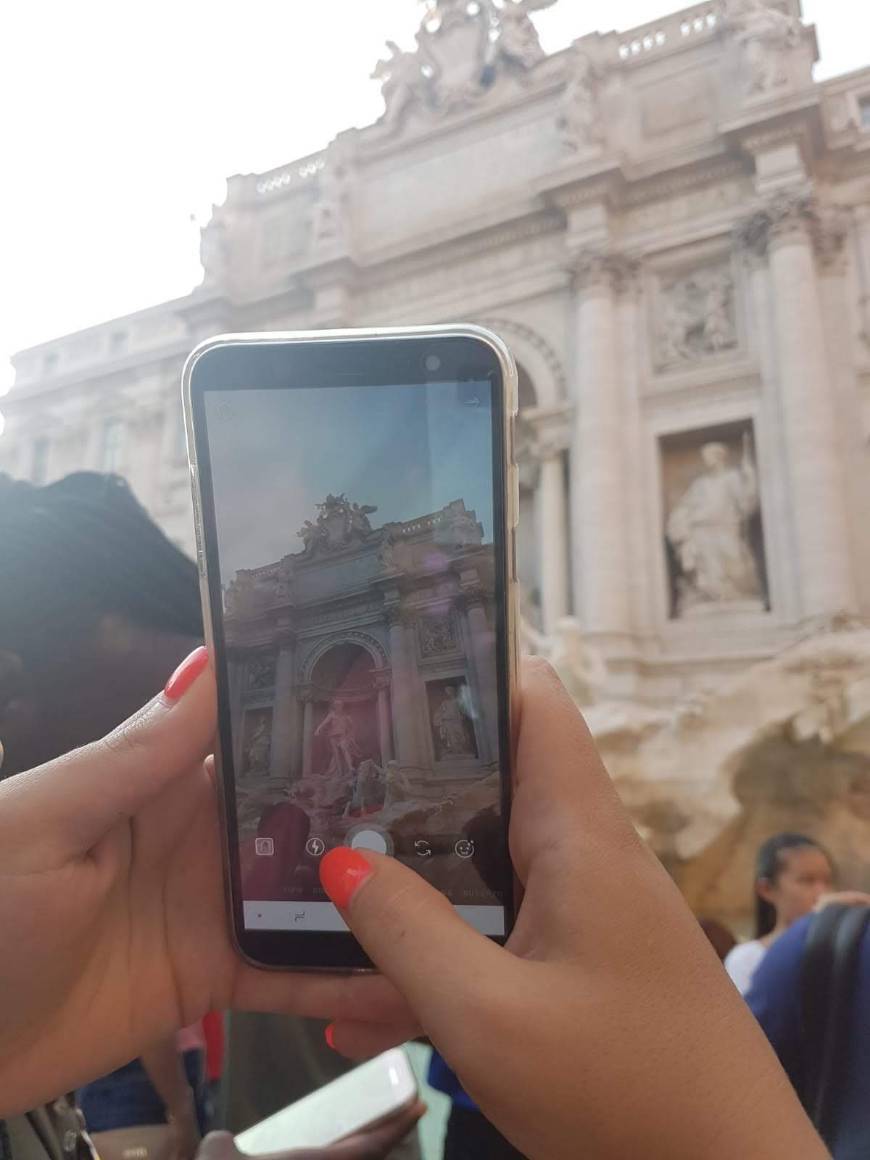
(357, 598)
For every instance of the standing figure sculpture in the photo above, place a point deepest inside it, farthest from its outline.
(258, 748)
(707, 528)
(338, 726)
(450, 724)
(403, 83)
(579, 121)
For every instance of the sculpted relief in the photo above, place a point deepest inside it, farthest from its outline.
(713, 535)
(696, 316)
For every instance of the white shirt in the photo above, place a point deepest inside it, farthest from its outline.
(742, 962)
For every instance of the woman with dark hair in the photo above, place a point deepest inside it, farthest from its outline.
(792, 872)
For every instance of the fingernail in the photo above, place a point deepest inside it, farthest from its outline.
(342, 872)
(329, 1036)
(186, 674)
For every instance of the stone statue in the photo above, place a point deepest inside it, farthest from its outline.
(403, 83)
(579, 121)
(707, 528)
(329, 217)
(359, 519)
(369, 789)
(338, 522)
(517, 40)
(258, 749)
(340, 732)
(449, 720)
(764, 34)
(214, 251)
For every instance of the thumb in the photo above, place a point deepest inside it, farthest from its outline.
(63, 808)
(410, 931)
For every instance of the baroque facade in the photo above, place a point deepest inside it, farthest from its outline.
(670, 226)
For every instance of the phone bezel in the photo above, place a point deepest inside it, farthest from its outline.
(328, 358)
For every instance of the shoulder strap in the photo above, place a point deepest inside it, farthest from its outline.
(815, 989)
(827, 983)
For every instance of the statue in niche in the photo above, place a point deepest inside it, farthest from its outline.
(259, 747)
(340, 732)
(403, 83)
(764, 34)
(451, 727)
(707, 529)
(579, 121)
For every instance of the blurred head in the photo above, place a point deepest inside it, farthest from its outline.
(714, 455)
(96, 608)
(792, 872)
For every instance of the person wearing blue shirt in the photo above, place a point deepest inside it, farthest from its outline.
(775, 1000)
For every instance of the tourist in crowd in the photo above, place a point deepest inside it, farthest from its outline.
(792, 872)
(590, 1035)
(96, 606)
(811, 995)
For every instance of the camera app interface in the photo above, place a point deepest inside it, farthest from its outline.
(358, 581)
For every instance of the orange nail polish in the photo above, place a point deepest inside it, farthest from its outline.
(186, 673)
(342, 872)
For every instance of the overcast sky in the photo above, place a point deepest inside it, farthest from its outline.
(120, 120)
(282, 452)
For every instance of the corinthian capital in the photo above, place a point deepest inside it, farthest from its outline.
(789, 215)
(595, 267)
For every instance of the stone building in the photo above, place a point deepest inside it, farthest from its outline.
(361, 671)
(671, 228)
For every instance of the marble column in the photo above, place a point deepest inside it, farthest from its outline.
(402, 691)
(284, 709)
(552, 536)
(482, 640)
(787, 227)
(385, 731)
(598, 503)
(307, 732)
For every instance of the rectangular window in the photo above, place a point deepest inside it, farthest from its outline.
(39, 462)
(864, 112)
(112, 446)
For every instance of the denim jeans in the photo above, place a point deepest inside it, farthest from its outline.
(126, 1098)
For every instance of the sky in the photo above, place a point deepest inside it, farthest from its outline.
(282, 452)
(121, 122)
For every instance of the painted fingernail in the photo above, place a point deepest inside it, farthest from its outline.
(329, 1036)
(342, 872)
(186, 674)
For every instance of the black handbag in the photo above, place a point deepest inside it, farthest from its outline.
(827, 984)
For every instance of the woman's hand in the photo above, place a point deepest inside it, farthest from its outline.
(608, 1028)
(369, 1144)
(111, 907)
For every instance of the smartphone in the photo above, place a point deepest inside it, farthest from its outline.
(362, 1098)
(356, 502)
